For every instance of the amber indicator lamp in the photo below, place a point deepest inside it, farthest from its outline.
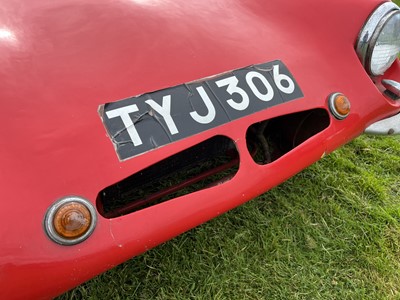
(339, 105)
(70, 220)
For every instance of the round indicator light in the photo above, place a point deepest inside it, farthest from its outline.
(339, 105)
(70, 220)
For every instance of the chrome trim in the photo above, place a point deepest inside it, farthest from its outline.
(392, 86)
(387, 126)
(371, 30)
(48, 221)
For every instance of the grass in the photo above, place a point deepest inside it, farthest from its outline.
(330, 232)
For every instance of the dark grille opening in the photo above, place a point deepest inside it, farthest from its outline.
(271, 139)
(209, 163)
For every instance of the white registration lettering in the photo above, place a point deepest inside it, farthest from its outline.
(123, 113)
(209, 117)
(264, 97)
(165, 111)
(232, 88)
(278, 78)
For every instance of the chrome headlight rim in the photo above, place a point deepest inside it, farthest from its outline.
(371, 31)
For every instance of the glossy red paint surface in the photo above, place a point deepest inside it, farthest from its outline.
(60, 61)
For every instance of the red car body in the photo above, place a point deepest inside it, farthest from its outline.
(60, 62)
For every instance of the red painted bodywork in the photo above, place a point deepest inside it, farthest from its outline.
(60, 61)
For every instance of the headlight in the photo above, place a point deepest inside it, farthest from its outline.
(378, 44)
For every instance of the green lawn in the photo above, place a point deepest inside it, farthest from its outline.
(330, 232)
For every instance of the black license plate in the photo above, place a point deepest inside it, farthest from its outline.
(138, 124)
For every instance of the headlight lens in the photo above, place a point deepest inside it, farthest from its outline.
(387, 46)
(379, 42)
